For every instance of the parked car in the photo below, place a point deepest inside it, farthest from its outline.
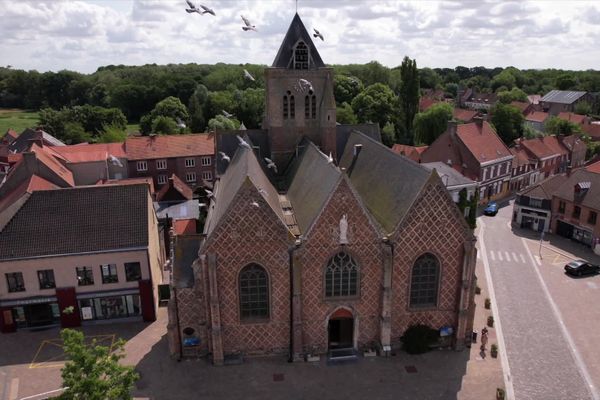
(581, 267)
(491, 208)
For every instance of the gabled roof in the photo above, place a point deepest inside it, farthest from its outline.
(28, 136)
(546, 188)
(91, 152)
(314, 181)
(28, 186)
(45, 156)
(426, 102)
(387, 182)
(78, 220)
(342, 133)
(562, 96)
(178, 185)
(573, 143)
(297, 32)
(590, 198)
(534, 98)
(169, 146)
(537, 147)
(412, 152)
(595, 167)
(521, 105)
(461, 114)
(482, 141)
(449, 176)
(244, 168)
(592, 129)
(537, 116)
(521, 157)
(572, 117)
(554, 144)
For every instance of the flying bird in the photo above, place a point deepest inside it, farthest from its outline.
(193, 8)
(318, 34)
(330, 159)
(115, 161)
(271, 164)
(248, 75)
(255, 204)
(243, 143)
(305, 84)
(224, 157)
(226, 114)
(180, 123)
(249, 26)
(209, 193)
(207, 10)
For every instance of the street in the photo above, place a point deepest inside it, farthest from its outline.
(544, 317)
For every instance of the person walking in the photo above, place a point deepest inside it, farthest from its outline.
(484, 340)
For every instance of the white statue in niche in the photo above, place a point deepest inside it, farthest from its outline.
(344, 230)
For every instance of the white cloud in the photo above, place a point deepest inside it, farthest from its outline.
(85, 34)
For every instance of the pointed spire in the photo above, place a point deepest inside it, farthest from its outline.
(297, 32)
(242, 126)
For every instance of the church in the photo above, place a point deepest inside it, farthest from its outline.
(319, 240)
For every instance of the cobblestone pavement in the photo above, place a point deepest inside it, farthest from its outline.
(543, 361)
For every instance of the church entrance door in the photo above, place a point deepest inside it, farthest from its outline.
(341, 330)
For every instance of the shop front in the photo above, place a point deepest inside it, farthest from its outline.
(30, 313)
(574, 232)
(112, 305)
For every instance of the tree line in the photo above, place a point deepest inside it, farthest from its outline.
(163, 98)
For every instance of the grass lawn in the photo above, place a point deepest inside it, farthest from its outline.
(132, 128)
(18, 120)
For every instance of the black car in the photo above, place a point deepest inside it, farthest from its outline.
(581, 267)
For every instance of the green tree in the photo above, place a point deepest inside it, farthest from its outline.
(504, 78)
(515, 94)
(558, 126)
(508, 121)
(112, 134)
(565, 82)
(583, 108)
(375, 104)
(432, 123)
(196, 108)
(164, 125)
(249, 106)
(52, 121)
(345, 114)
(409, 93)
(346, 88)
(429, 79)
(222, 123)
(93, 372)
(172, 109)
(73, 133)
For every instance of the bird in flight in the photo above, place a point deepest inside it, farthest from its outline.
(318, 34)
(243, 143)
(304, 85)
(192, 8)
(249, 26)
(226, 114)
(224, 157)
(207, 10)
(271, 164)
(255, 204)
(330, 159)
(180, 123)
(248, 75)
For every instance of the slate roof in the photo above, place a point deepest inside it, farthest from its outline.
(82, 153)
(189, 209)
(449, 176)
(185, 253)
(169, 146)
(24, 140)
(297, 32)
(228, 143)
(343, 131)
(546, 188)
(313, 182)
(562, 96)
(388, 183)
(78, 220)
(591, 198)
(482, 141)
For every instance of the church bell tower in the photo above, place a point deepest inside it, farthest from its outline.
(299, 97)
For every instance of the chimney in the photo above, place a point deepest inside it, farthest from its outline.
(357, 149)
(478, 121)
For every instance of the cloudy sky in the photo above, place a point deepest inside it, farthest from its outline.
(82, 35)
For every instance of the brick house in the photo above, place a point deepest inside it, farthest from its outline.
(93, 250)
(412, 152)
(477, 101)
(476, 151)
(575, 208)
(533, 206)
(190, 157)
(90, 163)
(551, 156)
(524, 169)
(557, 101)
(336, 251)
(576, 150)
(536, 120)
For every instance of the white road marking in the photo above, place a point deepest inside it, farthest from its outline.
(43, 394)
(492, 255)
(577, 357)
(515, 257)
(14, 389)
(522, 258)
(508, 385)
(500, 256)
(538, 261)
(507, 256)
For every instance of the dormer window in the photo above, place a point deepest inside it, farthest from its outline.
(301, 56)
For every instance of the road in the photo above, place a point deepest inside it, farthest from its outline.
(543, 360)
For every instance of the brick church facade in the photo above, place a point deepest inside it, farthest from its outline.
(344, 246)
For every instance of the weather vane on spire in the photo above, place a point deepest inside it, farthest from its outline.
(296, 6)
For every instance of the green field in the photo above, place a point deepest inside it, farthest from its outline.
(17, 120)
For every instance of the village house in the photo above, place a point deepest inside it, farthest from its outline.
(524, 106)
(64, 265)
(476, 151)
(411, 152)
(339, 249)
(524, 169)
(536, 120)
(533, 206)
(551, 155)
(557, 101)
(90, 163)
(465, 116)
(454, 182)
(475, 100)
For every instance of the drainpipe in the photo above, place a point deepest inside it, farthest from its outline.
(386, 298)
(291, 250)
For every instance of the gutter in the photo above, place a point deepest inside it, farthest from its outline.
(83, 253)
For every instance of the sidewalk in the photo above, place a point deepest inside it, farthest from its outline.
(484, 373)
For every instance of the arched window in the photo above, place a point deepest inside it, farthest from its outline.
(292, 107)
(301, 56)
(341, 276)
(254, 292)
(425, 281)
(285, 107)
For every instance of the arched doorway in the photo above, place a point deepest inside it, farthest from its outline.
(340, 330)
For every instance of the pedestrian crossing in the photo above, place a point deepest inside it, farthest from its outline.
(506, 256)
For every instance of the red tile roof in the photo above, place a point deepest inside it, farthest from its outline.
(184, 226)
(34, 183)
(521, 157)
(537, 116)
(426, 102)
(177, 184)
(464, 115)
(47, 157)
(592, 129)
(537, 147)
(554, 144)
(12, 133)
(169, 146)
(521, 105)
(91, 152)
(572, 117)
(483, 142)
(595, 167)
(411, 152)
(573, 143)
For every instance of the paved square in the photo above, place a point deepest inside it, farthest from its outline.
(50, 353)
